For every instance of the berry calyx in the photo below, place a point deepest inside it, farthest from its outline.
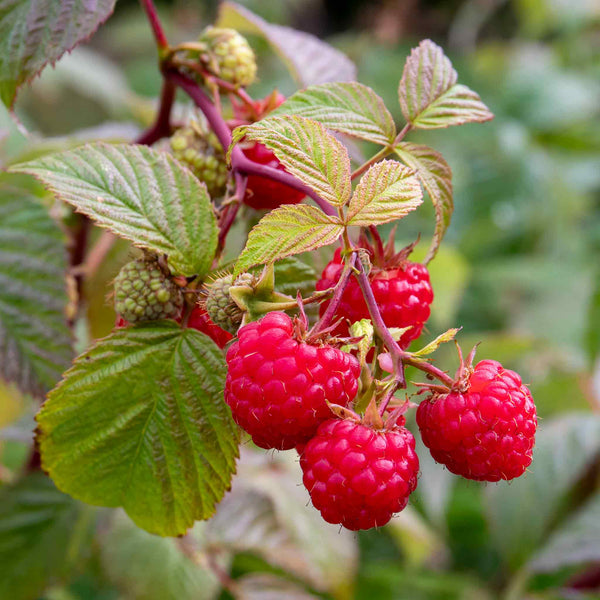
(358, 476)
(229, 55)
(219, 305)
(401, 288)
(202, 153)
(144, 292)
(200, 321)
(486, 431)
(278, 386)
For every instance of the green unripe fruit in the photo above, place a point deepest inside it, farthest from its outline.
(219, 305)
(143, 292)
(201, 152)
(231, 57)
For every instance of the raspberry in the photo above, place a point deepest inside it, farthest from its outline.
(358, 476)
(143, 292)
(403, 293)
(200, 320)
(486, 433)
(230, 55)
(220, 307)
(201, 152)
(277, 387)
(263, 193)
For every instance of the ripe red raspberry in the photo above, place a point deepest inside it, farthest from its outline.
(277, 387)
(403, 293)
(263, 193)
(358, 476)
(486, 433)
(200, 320)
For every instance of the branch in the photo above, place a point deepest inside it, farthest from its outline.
(162, 125)
(157, 30)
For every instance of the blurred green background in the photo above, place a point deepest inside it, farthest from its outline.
(519, 271)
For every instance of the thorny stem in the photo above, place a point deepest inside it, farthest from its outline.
(162, 125)
(334, 303)
(159, 34)
(230, 212)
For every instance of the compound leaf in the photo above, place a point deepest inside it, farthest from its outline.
(429, 95)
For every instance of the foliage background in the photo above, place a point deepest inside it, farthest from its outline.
(518, 270)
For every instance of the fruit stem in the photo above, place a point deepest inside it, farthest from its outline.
(157, 30)
(239, 162)
(162, 125)
(230, 212)
(339, 288)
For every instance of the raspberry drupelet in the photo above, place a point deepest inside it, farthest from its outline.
(358, 476)
(277, 386)
(487, 432)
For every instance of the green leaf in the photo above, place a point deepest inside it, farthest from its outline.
(44, 535)
(293, 276)
(350, 108)
(265, 586)
(577, 541)
(35, 342)
(34, 33)
(308, 59)
(447, 336)
(435, 175)
(139, 421)
(564, 449)
(592, 335)
(429, 95)
(285, 231)
(138, 193)
(148, 567)
(386, 192)
(308, 151)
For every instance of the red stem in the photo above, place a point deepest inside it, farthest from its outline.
(159, 34)
(334, 303)
(239, 162)
(162, 125)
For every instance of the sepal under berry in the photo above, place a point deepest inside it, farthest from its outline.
(144, 292)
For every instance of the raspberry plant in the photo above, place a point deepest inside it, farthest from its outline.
(150, 418)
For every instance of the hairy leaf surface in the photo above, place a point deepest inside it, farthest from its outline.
(35, 342)
(285, 231)
(348, 107)
(139, 421)
(139, 193)
(34, 33)
(429, 95)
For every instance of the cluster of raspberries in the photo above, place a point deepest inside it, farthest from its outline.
(278, 388)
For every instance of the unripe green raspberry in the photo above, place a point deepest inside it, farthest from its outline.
(201, 152)
(232, 57)
(219, 305)
(144, 293)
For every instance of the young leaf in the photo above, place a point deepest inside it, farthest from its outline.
(308, 151)
(308, 59)
(350, 108)
(285, 231)
(447, 336)
(429, 95)
(44, 535)
(435, 175)
(34, 33)
(139, 422)
(386, 192)
(35, 342)
(139, 193)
